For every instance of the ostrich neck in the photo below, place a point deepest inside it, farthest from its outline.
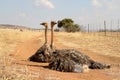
(52, 36)
(46, 28)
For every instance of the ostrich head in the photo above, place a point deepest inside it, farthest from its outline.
(45, 24)
(53, 23)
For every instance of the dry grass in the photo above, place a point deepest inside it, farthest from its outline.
(10, 71)
(96, 42)
(9, 38)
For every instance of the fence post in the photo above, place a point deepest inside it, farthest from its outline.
(118, 29)
(105, 27)
(111, 27)
(88, 28)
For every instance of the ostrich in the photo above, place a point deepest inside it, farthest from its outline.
(43, 53)
(71, 60)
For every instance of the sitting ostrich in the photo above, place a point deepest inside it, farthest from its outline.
(43, 53)
(71, 60)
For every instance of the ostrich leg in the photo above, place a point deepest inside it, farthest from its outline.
(52, 34)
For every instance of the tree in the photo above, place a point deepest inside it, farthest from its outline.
(68, 25)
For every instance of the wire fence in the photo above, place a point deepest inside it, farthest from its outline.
(105, 28)
(102, 37)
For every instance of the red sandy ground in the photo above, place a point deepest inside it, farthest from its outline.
(26, 49)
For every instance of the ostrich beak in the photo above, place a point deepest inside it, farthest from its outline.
(55, 22)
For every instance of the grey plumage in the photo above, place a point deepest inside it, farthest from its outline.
(66, 60)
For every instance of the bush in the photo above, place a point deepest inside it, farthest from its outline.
(68, 25)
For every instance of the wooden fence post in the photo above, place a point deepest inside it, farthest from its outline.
(88, 28)
(105, 27)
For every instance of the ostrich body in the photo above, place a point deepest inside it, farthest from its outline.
(71, 60)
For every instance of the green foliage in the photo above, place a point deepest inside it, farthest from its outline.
(60, 24)
(68, 25)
